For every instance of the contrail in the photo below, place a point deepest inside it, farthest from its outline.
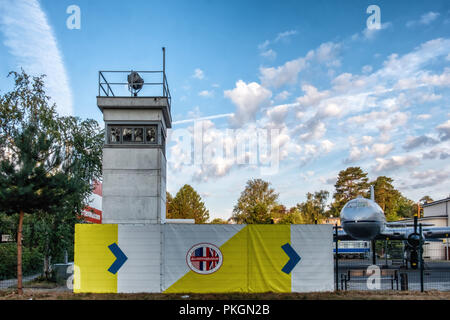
(217, 116)
(30, 39)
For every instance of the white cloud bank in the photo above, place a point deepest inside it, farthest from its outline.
(30, 39)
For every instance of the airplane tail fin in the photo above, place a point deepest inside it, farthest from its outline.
(372, 193)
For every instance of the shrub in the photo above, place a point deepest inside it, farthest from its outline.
(32, 261)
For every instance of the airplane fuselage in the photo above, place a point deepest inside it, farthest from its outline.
(362, 219)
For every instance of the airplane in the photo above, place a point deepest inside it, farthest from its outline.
(363, 219)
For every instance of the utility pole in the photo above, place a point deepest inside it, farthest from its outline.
(421, 257)
(336, 274)
(374, 254)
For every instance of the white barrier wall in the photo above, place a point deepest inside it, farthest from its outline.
(203, 258)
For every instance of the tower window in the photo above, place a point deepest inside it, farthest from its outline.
(133, 135)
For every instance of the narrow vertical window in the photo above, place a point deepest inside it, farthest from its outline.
(138, 134)
(114, 135)
(150, 135)
(127, 135)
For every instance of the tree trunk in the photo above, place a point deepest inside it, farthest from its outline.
(47, 267)
(19, 254)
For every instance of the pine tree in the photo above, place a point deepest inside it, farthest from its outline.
(188, 204)
(47, 162)
(351, 182)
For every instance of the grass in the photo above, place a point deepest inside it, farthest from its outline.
(49, 294)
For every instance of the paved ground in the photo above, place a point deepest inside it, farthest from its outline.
(62, 294)
(4, 284)
(436, 275)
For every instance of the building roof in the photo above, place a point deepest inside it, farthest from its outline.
(435, 202)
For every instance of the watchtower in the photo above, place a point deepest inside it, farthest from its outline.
(134, 155)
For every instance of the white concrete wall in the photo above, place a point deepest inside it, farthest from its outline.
(134, 187)
(435, 210)
(142, 270)
(132, 115)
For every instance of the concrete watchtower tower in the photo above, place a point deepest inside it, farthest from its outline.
(134, 155)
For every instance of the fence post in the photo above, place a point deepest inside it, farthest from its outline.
(421, 258)
(336, 261)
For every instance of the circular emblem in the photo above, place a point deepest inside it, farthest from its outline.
(204, 258)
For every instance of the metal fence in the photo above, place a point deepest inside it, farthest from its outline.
(388, 267)
(12, 283)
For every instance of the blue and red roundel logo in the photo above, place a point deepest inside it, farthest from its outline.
(204, 258)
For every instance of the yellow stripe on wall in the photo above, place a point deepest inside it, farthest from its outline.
(267, 258)
(93, 258)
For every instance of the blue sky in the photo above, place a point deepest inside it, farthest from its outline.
(339, 94)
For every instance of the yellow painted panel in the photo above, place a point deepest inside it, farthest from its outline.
(267, 258)
(93, 258)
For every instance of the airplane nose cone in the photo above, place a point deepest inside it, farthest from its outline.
(362, 230)
(362, 219)
(361, 210)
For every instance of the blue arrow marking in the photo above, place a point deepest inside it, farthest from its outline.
(294, 258)
(120, 258)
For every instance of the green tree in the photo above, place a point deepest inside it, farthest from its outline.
(47, 162)
(169, 202)
(293, 216)
(393, 203)
(426, 199)
(255, 203)
(406, 208)
(188, 204)
(313, 209)
(351, 182)
(218, 221)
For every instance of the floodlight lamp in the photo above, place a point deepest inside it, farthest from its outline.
(135, 82)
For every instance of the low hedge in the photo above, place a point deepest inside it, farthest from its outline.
(32, 261)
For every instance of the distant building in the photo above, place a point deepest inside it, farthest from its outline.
(437, 214)
(92, 213)
(331, 220)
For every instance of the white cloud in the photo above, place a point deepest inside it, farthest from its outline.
(283, 95)
(441, 80)
(356, 154)
(444, 130)
(429, 178)
(415, 142)
(313, 129)
(381, 149)
(285, 35)
(248, 98)
(425, 19)
(326, 145)
(367, 69)
(270, 54)
(370, 33)
(264, 45)
(395, 162)
(285, 74)
(331, 110)
(429, 17)
(326, 53)
(366, 140)
(312, 96)
(430, 97)
(205, 93)
(278, 114)
(31, 40)
(198, 74)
